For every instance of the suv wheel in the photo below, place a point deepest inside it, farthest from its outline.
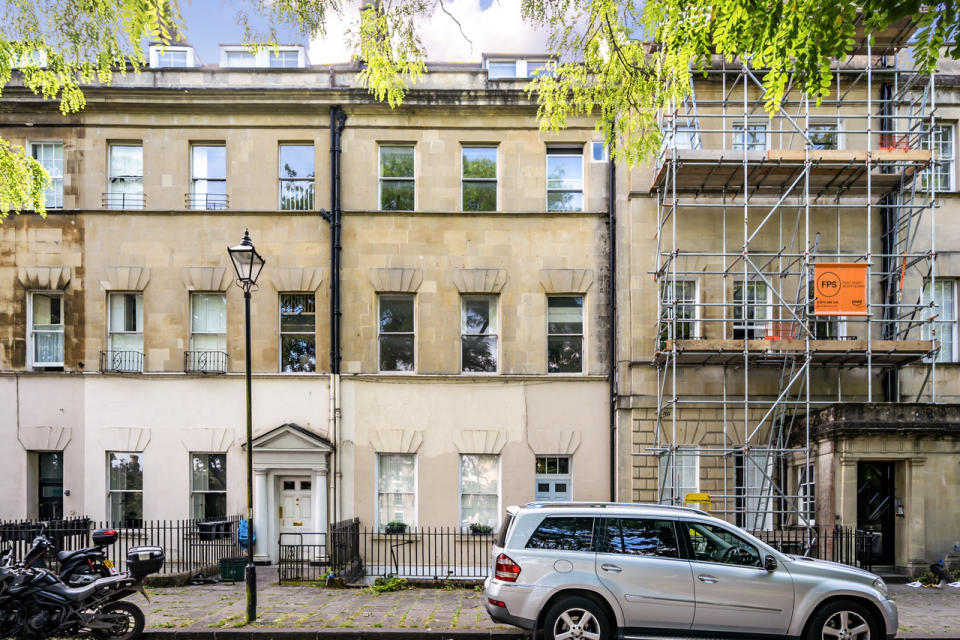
(843, 620)
(576, 618)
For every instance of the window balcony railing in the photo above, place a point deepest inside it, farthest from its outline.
(121, 362)
(124, 201)
(207, 201)
(205, 361)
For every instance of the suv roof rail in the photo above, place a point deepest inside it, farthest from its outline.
(607, 505)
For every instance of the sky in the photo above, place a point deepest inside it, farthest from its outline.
(490, 25)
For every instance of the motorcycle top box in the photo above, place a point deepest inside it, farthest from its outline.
(104, 537)
(142, 561)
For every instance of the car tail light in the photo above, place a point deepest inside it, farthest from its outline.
(497, 603)
(506, 569)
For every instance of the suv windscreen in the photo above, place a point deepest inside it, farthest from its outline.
(716, 544)
(563, 533)
(639, 537)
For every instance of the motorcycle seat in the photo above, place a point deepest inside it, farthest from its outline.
(63, 556)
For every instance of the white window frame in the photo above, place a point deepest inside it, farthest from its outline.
(463, 180)
(807, 494)
(248, 59)
(582, 335)
(194, 179)
(56, 185)
(283, 54)
(832, 124)
(753, 518)
(497, 334)
(31, 332)
(504, 61)
(139, 313)
(566, 152)
(749, 324)
(413, 297)
(141, 491)
(131, 178)
(604, 156)
(669, 494)
(381, 178)
(281, 333)
(193, 491)
(688, 137)
(281, 178)
(499, 458)
(193, 295)
(945, 319)
(155, 54)
(695, 321)
(948, 163)
(753, 129)
(554, 477)
(378, 525)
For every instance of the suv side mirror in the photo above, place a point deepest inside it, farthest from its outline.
(770, 563)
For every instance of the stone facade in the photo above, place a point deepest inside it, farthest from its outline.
(333, 433)
(334, 429)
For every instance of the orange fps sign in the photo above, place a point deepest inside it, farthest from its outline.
(841, 289)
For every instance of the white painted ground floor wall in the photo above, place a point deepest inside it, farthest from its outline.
(166, 418)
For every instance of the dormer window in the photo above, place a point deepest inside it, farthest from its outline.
(285, 57)
(508, 68)
(171, 56)
(240, 59)
(502, 69)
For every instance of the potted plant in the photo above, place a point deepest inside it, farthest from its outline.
(395, 526)
(480, 529)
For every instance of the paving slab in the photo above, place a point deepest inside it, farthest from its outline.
(307, 612)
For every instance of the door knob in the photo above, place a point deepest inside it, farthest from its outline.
(707, 579)
(612, 568)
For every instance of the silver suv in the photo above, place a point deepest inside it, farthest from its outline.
(582, 571)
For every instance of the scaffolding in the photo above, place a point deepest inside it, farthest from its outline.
(747, 203)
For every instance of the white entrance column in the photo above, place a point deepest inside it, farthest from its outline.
(261, 516)
(319, 495)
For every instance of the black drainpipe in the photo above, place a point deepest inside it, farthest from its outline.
(612, 311)
(338, 120)
(888, 230)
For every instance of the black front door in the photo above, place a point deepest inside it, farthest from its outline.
(50, 485)
(875, 513)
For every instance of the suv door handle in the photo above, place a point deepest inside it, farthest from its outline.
(708, 579)
(612, 568)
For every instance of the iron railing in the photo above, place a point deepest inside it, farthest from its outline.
(205, 361)
(837, 544)
(207, 201)
(311, 556)
(302, 556)
(123, 201)
(189, 545)
(121, 362)
(451, 553)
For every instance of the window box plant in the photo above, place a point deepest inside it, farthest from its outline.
(395, 526)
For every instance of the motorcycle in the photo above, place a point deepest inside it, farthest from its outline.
(80, 566)
(83, 566)
(35, 604)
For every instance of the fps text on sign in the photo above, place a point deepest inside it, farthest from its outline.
(840, 289)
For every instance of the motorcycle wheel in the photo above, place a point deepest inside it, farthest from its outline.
(125, 618)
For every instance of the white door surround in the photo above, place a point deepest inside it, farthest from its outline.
(288, 453)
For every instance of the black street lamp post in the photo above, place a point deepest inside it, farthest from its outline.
(248, 264)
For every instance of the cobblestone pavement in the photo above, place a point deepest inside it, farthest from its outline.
(925, 613)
